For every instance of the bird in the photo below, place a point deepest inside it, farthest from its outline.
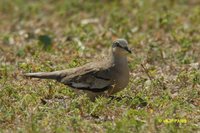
(103, 77)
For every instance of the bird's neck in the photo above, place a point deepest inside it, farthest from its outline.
(119, 59)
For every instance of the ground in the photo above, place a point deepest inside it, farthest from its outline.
(164, 88)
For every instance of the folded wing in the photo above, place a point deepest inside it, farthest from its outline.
(95, 79)
(92, 76)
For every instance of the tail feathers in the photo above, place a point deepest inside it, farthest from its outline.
(43, 75)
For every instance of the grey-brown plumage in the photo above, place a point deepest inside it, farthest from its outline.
(104, 77)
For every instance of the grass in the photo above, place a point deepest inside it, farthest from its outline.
(163, 93)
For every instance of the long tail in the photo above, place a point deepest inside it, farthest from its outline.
(44, 75)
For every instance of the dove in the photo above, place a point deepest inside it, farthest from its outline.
(104, 77)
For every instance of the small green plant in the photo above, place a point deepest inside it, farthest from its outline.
(45, 41)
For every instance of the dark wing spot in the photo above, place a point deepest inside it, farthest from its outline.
(90, 89)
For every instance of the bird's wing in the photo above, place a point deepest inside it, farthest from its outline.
(93, 77)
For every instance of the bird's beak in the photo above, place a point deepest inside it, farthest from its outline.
(128, 50)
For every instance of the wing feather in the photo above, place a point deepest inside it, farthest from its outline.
(89, 77)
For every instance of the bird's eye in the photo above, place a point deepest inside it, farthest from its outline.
(119, 45)
(116, 44)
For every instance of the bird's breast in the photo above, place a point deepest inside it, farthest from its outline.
(121, 80)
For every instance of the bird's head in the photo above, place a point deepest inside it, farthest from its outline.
(120, 46)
